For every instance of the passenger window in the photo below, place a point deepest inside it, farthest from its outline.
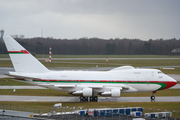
(137, 73)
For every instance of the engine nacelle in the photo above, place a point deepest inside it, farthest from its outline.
(115, 93)
(87, 92)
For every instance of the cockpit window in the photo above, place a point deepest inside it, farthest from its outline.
(159, 72)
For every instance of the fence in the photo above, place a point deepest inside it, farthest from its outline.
(73, 112)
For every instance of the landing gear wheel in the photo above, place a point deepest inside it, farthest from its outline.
(152, 97)
(91, 99)
(86, 99)
(83, 99)
(95, 98)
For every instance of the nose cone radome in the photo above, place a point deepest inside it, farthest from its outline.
(172, 82)
(175, 82)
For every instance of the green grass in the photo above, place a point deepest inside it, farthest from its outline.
(175, 71)
(33, 92)
(147, 105)
(4, 56)
(9, 82)
(5, 63)
(47, 106)
(102, 63)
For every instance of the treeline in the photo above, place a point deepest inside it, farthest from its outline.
(97, 46)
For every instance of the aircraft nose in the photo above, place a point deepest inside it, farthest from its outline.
(175, 82)
(172, 82)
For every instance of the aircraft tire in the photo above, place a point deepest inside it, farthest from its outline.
(81, 98)
(95, 98)
(152, 97)
(91, 99)
(86, 99)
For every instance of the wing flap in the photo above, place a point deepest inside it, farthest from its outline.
(64, 86)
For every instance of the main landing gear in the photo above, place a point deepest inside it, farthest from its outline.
(153, 96)
(91, 99)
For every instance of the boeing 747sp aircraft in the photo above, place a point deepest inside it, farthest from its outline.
(86, 84)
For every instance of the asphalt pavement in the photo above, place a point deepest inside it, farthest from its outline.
(76, 99)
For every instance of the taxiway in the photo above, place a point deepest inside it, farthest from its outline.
(76, 99)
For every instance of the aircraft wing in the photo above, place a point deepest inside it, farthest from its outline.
(64, 86)
(86, 90)
(89, 86)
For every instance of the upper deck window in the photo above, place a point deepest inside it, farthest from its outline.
(159, 72)
(137, 73)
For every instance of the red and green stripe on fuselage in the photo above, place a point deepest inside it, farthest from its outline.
(163, 84)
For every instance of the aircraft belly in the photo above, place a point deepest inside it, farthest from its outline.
(146, 87)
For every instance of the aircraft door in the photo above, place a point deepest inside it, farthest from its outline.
(147, 81)
(126, 81)
(47, 80)
(152, 73)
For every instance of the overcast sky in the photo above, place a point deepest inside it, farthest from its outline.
(141, 19)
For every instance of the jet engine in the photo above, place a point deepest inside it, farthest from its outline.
(87, 92)
(113, 93)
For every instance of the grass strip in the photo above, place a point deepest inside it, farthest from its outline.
(153, 105)
(9, 82)
(98, 56)
(148, 106)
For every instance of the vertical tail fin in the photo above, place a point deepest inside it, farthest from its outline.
(21, 59)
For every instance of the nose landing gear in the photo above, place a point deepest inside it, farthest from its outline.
(153, 96)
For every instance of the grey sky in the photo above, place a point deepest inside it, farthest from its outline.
(142, 19)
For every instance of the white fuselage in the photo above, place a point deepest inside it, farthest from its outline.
(85, 83)
(131, 80)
